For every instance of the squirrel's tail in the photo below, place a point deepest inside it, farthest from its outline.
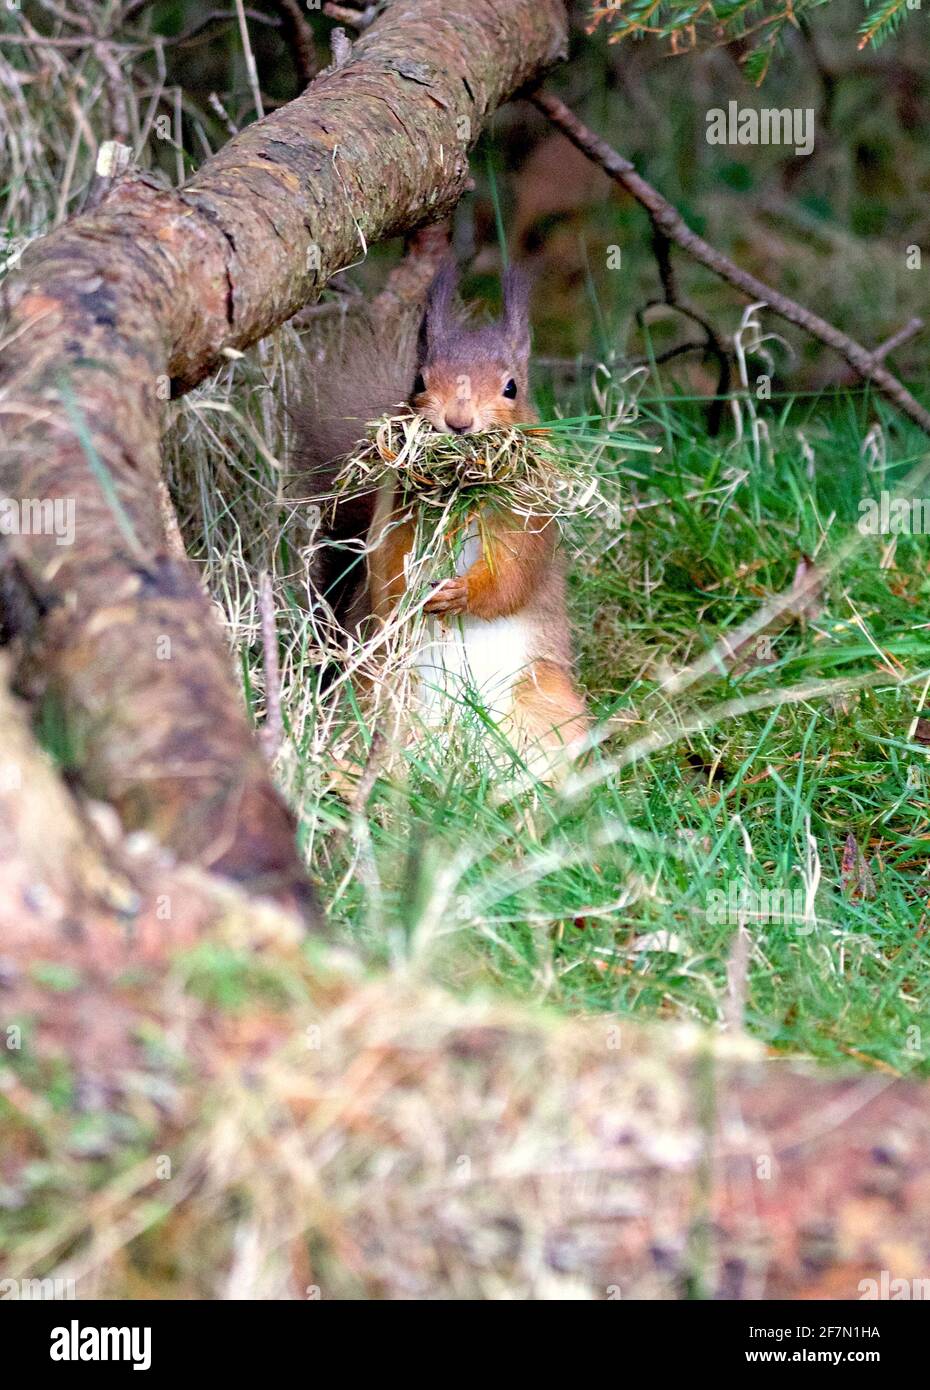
(357, 377)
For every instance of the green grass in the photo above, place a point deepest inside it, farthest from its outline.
(736, 776)
(563, 896)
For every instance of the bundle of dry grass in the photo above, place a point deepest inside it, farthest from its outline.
(528, 471)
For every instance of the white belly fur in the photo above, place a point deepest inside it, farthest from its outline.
(466, 653)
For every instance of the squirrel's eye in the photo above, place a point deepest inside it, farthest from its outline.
(510, 390)
(419, 385)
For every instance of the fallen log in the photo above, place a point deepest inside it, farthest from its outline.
(336, 1137)
(137, 301)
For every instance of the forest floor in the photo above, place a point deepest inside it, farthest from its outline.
(751, 833)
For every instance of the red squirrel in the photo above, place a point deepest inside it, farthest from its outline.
(501, 622)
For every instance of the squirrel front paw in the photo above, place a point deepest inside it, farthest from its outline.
(448, 598)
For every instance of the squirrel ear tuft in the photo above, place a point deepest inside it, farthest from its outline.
(517, 289)
(438, 316)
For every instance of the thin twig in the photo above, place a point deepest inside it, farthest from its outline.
(341, 46)
(251, 69)
(42, 41)
(113, 159)
(178, 136)
(670, 221)
(273, 729)
(903, 335)
(357, 19)
(298, 39)
(713, 345)
(217, 106)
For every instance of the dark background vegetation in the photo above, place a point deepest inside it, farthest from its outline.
(830, 229)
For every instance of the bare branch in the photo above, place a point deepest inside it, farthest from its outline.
(903, 335)
(713, 344)
(358, 19)
(298, 38)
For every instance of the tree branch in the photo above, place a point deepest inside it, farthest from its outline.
(298, 38)
(713, 344)
(903, 335)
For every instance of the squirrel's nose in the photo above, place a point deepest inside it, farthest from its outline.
(458, 425)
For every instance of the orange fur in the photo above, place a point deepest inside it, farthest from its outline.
(550, 704)
(550, 718)
(515, 555)
(465, 400)
(390, 540)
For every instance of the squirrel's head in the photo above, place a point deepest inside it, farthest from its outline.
(469, 379)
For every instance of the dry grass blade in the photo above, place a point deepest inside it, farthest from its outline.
(522, 470)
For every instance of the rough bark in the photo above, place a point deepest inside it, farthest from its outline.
(150, 288)
(85, 896)
(48, 880)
